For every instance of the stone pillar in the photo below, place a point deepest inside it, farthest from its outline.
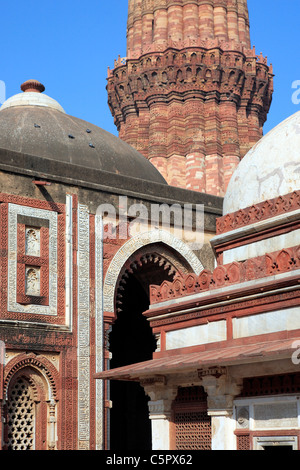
(52, 425)
(2, 404)
(160, 410)
(160, 415)
(108, 320)
(221, 390)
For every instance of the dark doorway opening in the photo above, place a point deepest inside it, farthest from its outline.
(131, 341)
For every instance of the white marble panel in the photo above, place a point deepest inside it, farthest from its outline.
(262, 247)
(270, 322)
(193, 336)
(276, 415)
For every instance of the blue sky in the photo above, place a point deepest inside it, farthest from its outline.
(69, 44)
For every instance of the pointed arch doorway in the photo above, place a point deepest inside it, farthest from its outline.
(131, 341)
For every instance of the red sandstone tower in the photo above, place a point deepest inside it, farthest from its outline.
(192, 95)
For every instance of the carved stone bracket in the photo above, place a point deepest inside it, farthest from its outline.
(221, 390)
(161, 397)
(212, 371)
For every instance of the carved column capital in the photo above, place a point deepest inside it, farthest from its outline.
(221, 389)
(161, 397)
(160, 409)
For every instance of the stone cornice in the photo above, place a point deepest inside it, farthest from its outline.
(233, 274)
(259, 212)
(260, 294)
(73, 175)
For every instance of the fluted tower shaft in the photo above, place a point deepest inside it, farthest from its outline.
(192, 95)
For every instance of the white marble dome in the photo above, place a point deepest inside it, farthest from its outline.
(32, 99)
(270, 169)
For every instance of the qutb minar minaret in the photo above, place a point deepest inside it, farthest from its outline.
(192, 95)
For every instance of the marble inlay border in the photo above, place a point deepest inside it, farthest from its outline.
(13, 306)
(99, 402)
(69, 260)
(83, 262)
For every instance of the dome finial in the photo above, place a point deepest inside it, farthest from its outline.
(33, 86)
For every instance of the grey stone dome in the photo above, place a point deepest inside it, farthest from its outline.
(33, 123)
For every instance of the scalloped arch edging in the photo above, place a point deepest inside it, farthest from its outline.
(41, 364)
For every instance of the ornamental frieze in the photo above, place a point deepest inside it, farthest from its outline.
(261, 211)
(233, 273)
(264, 303)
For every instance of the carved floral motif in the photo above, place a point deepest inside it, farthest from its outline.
(32, 281)
(32, 241)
